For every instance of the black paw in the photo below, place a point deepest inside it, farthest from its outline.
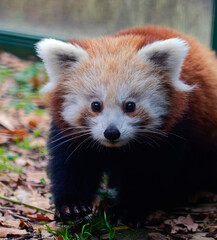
(72, 212)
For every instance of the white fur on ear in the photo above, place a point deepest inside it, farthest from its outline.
(168, 55)
(58, 57)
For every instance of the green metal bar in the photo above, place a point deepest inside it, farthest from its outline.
(214, 26)
(22, 45)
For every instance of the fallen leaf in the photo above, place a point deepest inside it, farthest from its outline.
(181, 224)
(8, 216)
(188, 222)
(25, 210)
(12, 231)
(60, 238)
(38, 217)
(26, 225)
(10, 223)
(6, 122)
(36, 176)
(20, 133)
(32, 124)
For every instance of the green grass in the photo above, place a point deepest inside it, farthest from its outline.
(97, 226)
(6, 161)
(27, 86)
(4, 73)
(25, 144)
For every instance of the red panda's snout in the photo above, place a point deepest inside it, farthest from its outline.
(112, 133)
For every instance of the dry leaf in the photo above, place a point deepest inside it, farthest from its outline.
(12, 231)
(10, 223)
(187, 222)
(39, 217)
(182, 225)
(26, 225)
(60, 238)
(20, 133)
(25, 210)
(36, 176)
(6, 122)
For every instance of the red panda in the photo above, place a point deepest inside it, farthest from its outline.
(140, 105)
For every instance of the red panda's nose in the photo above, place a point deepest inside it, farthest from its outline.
(112, 133)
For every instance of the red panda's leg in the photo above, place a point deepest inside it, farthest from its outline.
(74, 179)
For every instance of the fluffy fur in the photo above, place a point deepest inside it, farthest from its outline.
(156, 152)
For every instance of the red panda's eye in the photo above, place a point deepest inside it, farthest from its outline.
(130, 107)
(96, 106)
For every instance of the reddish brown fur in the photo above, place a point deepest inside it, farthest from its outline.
(200, 68)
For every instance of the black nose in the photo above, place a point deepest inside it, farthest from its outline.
(112, 133)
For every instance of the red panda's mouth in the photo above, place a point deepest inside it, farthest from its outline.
(113, 143)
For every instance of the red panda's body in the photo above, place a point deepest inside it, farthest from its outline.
(140, 105)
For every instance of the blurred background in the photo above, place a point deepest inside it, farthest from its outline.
(68, 19)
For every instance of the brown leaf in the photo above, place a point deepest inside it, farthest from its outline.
(20, 133)
(36, 176)
(8, 215)
(60, 238)
(10, 223)
(12, 231)
(39, 217)
(26, 225)
(6, 122)
(25, 210)
(182, 224)
(187, 222)
(33, 124)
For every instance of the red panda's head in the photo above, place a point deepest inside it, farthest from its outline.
(113, 88)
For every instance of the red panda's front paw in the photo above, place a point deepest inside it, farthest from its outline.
(72, 212)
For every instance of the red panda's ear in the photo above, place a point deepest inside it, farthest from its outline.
(58, 57)
(169, 56)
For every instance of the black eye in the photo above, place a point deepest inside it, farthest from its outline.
(96, 106)
(129, 107)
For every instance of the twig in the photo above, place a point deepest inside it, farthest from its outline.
(26, 205)
(16, 215)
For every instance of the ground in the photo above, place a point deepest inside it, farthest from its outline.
(26, 207)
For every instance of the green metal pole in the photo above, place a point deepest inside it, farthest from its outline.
(214, 26)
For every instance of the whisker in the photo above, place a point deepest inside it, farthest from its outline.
(161, 133)
(145, 141)
(79, 145)
(70, 139)
(66, 129)
(68, 135)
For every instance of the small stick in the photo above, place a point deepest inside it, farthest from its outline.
(16, 215)
(26, 205)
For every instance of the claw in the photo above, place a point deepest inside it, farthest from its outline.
(76, 210)
(84, 209)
